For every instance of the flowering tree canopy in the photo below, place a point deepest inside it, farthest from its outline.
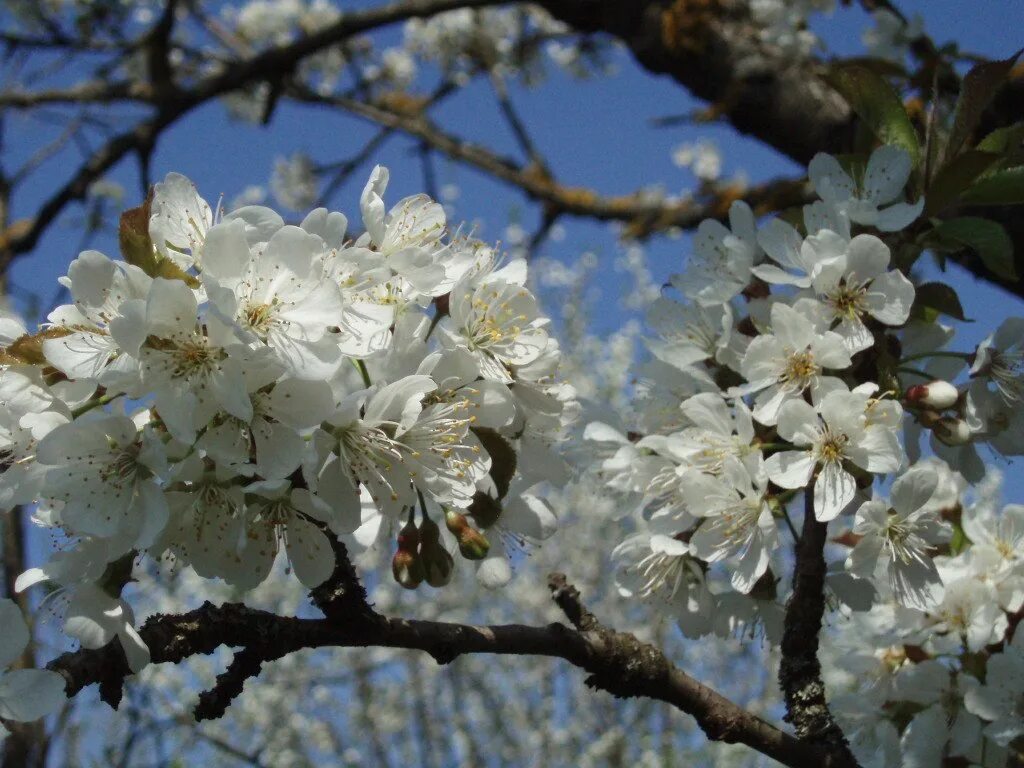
(254, 431)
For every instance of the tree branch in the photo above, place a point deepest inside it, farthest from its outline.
(800, 671)
(90, 92)
(712, 48)
(343, 597)
(642, 216)
(616, 662)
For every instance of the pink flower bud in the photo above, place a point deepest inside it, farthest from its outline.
(406, 566)
(939, 395)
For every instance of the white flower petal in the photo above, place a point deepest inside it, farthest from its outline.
(833, 491)
(886, 175)
(309, 552)
(914, 489)
(29, 694)
(790, 469)
(14, 632)
(890, 298)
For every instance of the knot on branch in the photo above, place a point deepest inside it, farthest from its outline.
(622, 665)
(685, 22)
(343, 597)
(567, 597)
(214, 703)
(626, 666)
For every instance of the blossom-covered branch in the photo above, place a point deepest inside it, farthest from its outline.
(236, 392)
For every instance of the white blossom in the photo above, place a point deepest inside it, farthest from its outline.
(843, 433)
(721, 263)
(899, 536)
(738, 526)
(782, 365)
(887, 172)
(1000, 700)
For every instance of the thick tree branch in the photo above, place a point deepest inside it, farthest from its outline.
(712, 48)
(800, 671)
(616, 662)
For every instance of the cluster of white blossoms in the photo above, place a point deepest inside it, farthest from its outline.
(240, 388)
(784, 23)
(515, 41)
(798, 364)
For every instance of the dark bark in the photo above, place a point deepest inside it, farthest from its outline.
(616, 662)
(799, 671)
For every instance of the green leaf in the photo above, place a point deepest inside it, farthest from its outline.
(1002, 187)
(884, 67)
(1003, 140)
(983, 236)
(133, 238)
(934, 299)
(878, 105)
(137, 247)
(959, 540)
(976, 91)
(955, 177)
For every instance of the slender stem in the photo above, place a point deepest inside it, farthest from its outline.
(965, 356)
(434, 321)
(915, 372)
(789, 522)
(86, 407)
(776, 447)
(361, 365)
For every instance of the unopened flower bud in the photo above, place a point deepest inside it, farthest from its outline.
(938, 395)
(455, 522)
(473, 545)
(952, 431)
(407, 568)
(438, 565)
(406, 565)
